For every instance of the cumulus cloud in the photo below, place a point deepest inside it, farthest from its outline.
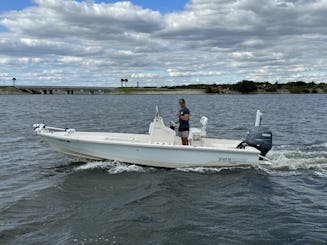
(74, 42)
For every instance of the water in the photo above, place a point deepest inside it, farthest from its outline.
(47, 198)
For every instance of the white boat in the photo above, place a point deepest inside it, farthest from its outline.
(161, 147)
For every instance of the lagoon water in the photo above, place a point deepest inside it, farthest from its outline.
(48, 198)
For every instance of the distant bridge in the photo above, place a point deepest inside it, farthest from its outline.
(62, 89)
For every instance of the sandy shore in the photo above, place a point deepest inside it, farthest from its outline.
(160, 91)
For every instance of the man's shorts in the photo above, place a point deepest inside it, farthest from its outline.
(183, 134)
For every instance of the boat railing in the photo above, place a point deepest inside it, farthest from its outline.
(42, 127)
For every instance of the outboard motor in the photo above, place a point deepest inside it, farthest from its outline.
(258, 137)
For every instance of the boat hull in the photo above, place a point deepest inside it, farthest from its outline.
(154, 155)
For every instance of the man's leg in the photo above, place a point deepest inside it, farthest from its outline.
(184, 141)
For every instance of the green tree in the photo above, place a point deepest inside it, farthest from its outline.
(245, 87)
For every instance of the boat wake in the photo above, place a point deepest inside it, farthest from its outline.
(112, 167)
(208, 170)
(284, 158)
(290, 158)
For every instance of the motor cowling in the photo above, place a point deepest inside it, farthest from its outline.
(259, 138)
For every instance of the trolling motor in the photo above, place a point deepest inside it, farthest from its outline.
(173, 125)
(258, 137)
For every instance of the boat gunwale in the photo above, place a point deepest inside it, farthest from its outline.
(51, 134)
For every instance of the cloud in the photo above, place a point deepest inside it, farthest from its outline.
(144, 75)
(209, 41)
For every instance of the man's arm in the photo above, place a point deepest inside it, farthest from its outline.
(185, 117)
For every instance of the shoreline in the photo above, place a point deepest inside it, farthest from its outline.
(10, 90)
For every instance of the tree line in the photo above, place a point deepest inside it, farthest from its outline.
(247, 87)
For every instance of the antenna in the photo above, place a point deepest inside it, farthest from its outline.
(258, 119)
(157, 111)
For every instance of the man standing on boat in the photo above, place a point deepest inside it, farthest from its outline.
(184, 127)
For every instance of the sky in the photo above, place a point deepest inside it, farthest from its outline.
(162, 42)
